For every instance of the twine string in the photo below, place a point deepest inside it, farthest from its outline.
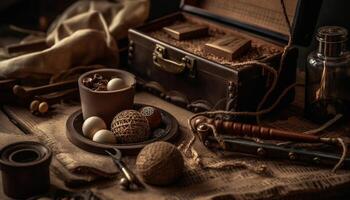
(317, 130)
(321, 92)
(259, 111)
(344, 148)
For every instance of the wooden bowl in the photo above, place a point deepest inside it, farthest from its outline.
(167, 132)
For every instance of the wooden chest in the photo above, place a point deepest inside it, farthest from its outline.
(184, 73)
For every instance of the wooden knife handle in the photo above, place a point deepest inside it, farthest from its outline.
(57, 97)
(7, 83)
(249, 130)
(30, 92)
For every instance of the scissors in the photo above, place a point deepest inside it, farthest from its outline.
(130, 180)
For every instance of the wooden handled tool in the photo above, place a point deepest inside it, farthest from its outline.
(41, 103)
(248, 130)
(7, 83)
(208, 129)
(6, 86)
(31, 92)
(57, 97)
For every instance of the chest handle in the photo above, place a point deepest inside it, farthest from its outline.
(171, 66)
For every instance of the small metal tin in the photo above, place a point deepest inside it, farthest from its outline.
(25, 169)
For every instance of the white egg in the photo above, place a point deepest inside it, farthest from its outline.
(91, 125)
(115, 84)
(104, 136)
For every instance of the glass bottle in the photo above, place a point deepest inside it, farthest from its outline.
(327, 83)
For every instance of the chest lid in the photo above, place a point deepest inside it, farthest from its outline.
(264, 17)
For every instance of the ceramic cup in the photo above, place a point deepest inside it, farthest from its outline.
(106, 104)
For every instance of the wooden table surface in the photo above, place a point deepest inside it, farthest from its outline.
(7, 127)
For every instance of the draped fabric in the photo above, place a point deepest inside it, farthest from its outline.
(86, 33)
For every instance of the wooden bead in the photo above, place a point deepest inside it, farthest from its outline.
(43, 107)
(34, 106)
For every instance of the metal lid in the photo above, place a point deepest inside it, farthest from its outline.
(331, 40)
(332, 34)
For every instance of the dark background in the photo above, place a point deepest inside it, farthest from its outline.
(26, 13)
(333, 12)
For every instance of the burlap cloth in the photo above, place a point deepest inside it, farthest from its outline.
(84, 167)
(84, 34)
(285, 181)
